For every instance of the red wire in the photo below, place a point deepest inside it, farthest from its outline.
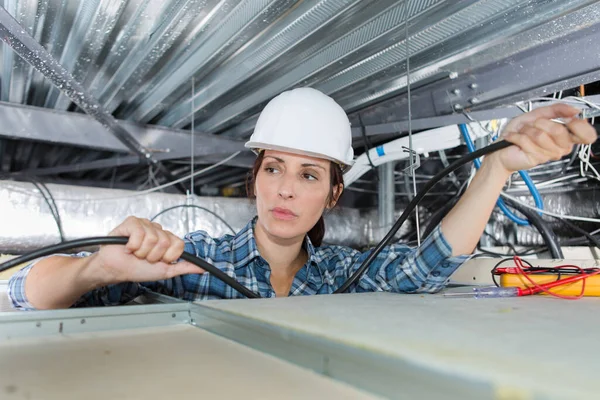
(544, 287)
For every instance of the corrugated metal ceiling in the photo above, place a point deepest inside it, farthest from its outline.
(141, 58)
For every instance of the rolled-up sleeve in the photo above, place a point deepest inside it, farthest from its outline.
(110, 295)
(399, 268)
(16, 289)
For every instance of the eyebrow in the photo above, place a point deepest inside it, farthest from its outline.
(304, 165)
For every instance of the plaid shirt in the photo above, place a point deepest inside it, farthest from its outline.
(397, 268)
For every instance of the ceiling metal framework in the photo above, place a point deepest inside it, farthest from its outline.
(138, 59)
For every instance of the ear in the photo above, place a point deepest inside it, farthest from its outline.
(337, 192)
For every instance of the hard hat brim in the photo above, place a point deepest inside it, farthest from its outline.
(256, 147)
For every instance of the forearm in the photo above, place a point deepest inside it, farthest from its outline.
(58, 282)
(464, 224)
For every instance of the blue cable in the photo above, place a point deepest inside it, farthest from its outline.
(524, 175)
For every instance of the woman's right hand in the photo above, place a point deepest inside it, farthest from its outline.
(150, 255)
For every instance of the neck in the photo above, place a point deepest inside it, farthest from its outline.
(285, 256)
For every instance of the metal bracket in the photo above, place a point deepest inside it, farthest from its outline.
(415, 161)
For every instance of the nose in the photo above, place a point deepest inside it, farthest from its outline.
(286, 189)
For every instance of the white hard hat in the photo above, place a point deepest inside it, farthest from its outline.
(305, 121)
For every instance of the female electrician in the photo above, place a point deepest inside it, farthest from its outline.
(303, 141)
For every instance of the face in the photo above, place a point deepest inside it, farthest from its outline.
(292, 191)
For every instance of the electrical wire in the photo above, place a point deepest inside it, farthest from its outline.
(368, 144)
(198, 207)
(545, 287)
(495, 269)
(524, 175)
(571, 217)
(122, 240)
(155, 189)
(50, 202)
(231, 281)
(593, 240)
(411, 207)
(543, 229)
(52, 205)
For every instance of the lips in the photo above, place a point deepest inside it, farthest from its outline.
(283, 213)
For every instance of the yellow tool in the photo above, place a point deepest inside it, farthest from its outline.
(592, 284)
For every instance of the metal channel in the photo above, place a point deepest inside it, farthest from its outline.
(19, 325)
(377, 373)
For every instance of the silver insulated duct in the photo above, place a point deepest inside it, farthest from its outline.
(28, 222)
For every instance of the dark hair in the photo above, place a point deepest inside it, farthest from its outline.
(317, 232)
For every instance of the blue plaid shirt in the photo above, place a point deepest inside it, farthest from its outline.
(397, 268)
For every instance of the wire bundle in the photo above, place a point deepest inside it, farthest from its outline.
(575, 273)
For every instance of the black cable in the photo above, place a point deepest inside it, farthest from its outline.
(48, 198)
(547, 234)
(107, 240)
(503, 261)
(231, 281)
(413, 203)
(593, 240)
(50, 207)
(368, 144)
(509, 245)
(520, 254)
(437, 217)
(194, 206)
(52, 203)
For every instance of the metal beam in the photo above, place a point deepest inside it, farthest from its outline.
(459, 118)
(35, 123)
(536, 62)
(243, 160)
(13, 34)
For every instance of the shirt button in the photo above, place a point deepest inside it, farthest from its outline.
(435, 273)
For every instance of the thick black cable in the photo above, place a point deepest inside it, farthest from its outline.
(413, 203)
(231, 281)
(593, 240)
(108, 240)
(195, 206)
(544, 229)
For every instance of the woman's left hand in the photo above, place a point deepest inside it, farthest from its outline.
(539, 140)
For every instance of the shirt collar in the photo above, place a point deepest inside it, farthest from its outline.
(314, 273)
(246, 238)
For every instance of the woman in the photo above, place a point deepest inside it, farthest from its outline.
(303, 141)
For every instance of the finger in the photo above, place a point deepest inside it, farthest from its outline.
(583, 132)
(175, 249)
(156, 225)
(150, 240)
(533, 152)
(132, 228)
(559, 133)
(182, 268)
(558, 110)
(160, 248)
(544, 141)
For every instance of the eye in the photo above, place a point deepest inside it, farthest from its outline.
(271, 170)
(309, 177)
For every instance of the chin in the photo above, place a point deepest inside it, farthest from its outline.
(284, 229)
